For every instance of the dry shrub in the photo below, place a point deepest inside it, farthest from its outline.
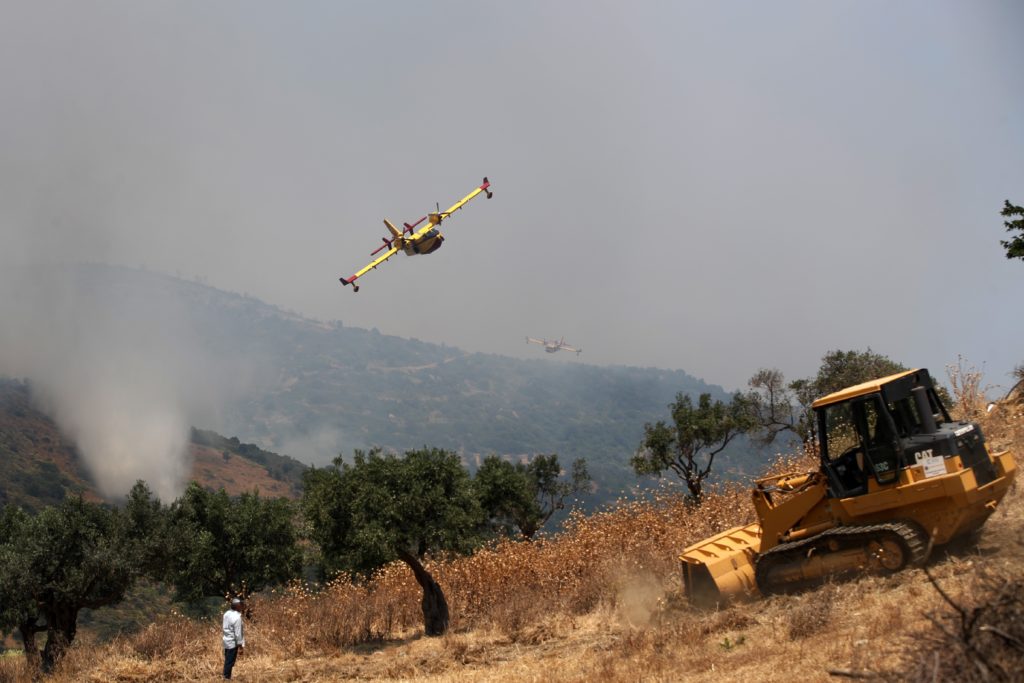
(538, 633)
(810, 613)
(299, 620)
(14, 669)
(174, 631)
(1004, 424)
(457, 648)
(968, 393)
(515, 613)
(978, 637)
(1001, 421)
(732, 618)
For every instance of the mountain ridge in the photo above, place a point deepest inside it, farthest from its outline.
(316, 389)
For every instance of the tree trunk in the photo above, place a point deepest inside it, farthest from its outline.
(28, 632)
(435, 607)
(60, 633)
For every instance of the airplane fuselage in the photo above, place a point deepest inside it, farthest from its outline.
(430, 242)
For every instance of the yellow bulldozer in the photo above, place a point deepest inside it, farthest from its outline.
(897, 477)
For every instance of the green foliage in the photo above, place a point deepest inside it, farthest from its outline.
(1015, 245)
(525, 496)
(147, 525)
(363, 514)
(327, 510)
(689, 444)
(66, 558)
(218, 545)
(145, 602)
(841, 369)
(505, 495)
(17, 605)
(727, 644)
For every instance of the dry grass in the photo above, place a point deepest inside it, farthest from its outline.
(597, 602)
(976, 637)
(856, 626)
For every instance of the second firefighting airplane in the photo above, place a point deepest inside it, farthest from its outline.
(423, 241)
(552, 346)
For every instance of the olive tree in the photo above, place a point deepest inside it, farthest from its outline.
(385, 507)
(776, 408)
(524, 496)
(219, 545)
(67, 557)
(689, 443)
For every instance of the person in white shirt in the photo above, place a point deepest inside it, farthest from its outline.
(234, 636)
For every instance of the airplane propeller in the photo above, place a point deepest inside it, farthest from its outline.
(386, 245)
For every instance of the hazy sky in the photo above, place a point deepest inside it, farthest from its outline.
(713, 186)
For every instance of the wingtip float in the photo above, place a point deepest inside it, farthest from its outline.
(412, 240)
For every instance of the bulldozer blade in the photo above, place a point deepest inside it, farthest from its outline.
(721, 568)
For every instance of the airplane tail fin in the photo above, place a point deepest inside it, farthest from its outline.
(394, 231)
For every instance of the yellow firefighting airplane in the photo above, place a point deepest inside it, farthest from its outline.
(552, 346)
(423, 241)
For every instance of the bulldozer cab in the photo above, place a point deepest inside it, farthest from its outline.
(859, 441)
(872, 430)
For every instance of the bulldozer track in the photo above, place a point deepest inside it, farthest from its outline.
(910, 536)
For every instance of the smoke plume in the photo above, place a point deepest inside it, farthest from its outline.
(118, 363)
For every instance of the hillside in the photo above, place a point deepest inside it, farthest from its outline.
(316, 389)
(39, 467)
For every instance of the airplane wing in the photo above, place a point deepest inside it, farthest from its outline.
(566, 347)
(436, 218)
(373, 264)
(531, 340)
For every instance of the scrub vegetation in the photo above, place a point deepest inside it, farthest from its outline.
(599, 599)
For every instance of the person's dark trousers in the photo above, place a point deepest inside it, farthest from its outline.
(229, 661)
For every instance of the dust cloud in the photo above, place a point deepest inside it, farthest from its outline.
(637, 599)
